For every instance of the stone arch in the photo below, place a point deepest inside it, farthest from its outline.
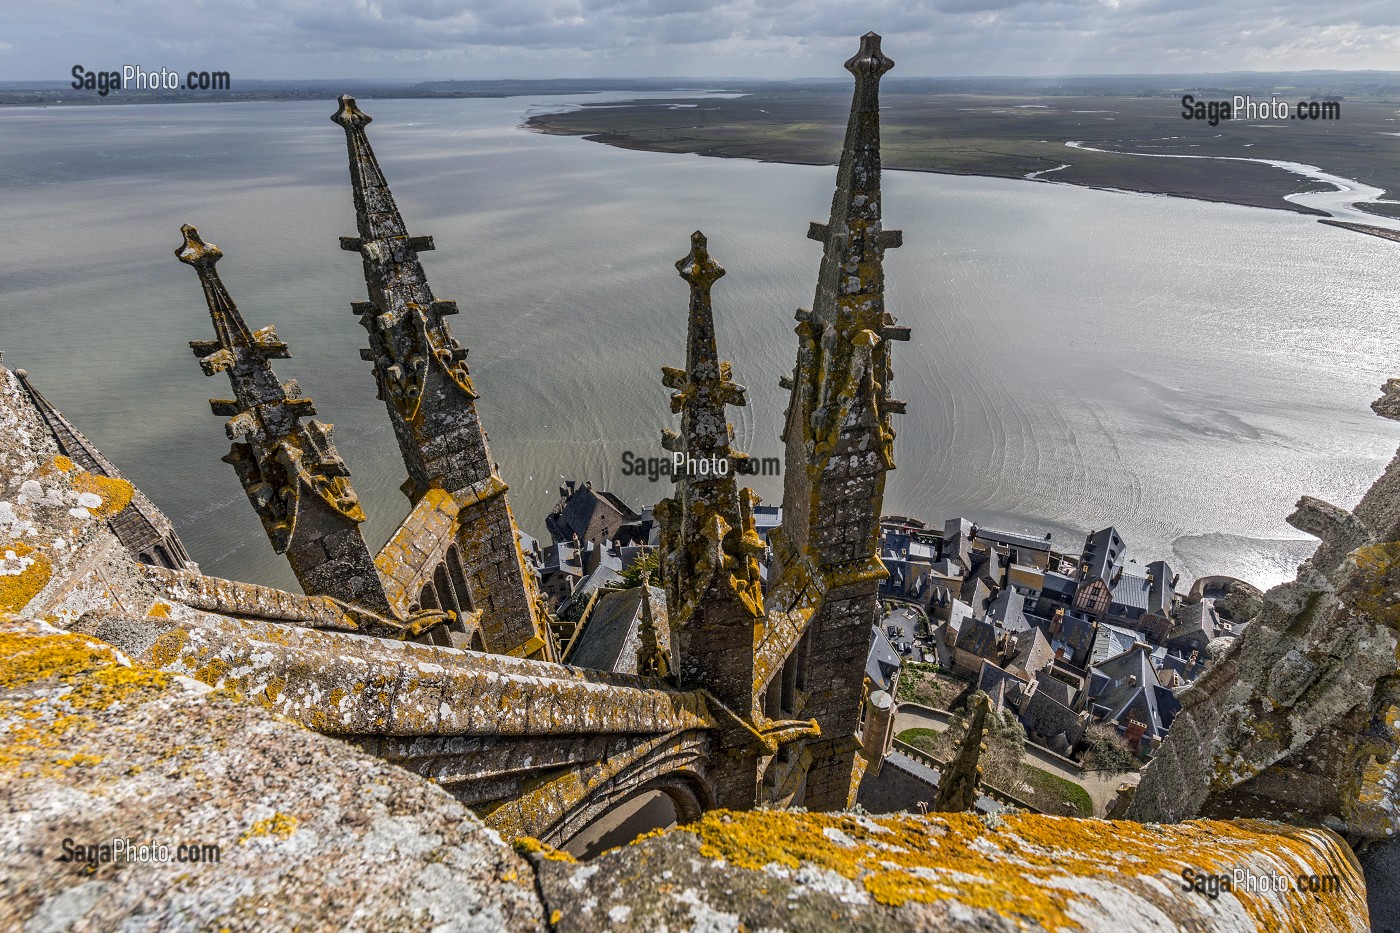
(442, 586)
(459, 578)
(684, 796)
(677, 769)
(427, 598)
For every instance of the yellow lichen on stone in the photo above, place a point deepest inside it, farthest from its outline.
(1014, 866)
(73, 676)
(168, 648)
(529, 845)
(115, 493)
(279, 825)
(1379, 563)
(30, 573)
(159, 611)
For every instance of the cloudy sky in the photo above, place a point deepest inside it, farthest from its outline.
(637, 38)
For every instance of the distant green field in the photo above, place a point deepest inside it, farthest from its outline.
(1013, 136)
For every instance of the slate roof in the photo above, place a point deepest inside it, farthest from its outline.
(946, 568)
(1076, 636)
(1104, 553)
(956, 546)
(979, 637)
(603, 575)
(975, 592)
(1130, 690)
(1016, 539)
(998, 682)
(610, 638)
(958, 613)
(1060, 691)
(590, 514)
(766, 518)
(1194, 621)
(1163, 592)
(1110, 642)
(1044, 714)
(1057, 584)
(561, 557)
(1028, 577)
(1130, 592)
(929, 776)
(1008, 611)
(1033, 652)
(882, 662)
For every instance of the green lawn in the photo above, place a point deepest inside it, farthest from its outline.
(1050, 793)
(1053, 792)
(925, 740)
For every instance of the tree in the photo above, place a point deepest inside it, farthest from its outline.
(648, 563)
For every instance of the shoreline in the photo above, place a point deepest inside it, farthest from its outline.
(975, 153)
(621, 141)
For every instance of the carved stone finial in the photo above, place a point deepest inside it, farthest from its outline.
(697, 267)
(868, 65)
(869, 62)
(349, 115)
(194, 251)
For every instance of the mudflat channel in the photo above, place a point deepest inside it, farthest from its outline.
(1017, 137)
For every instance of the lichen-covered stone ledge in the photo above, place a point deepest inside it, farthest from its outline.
(315, 835)
(769, 870)
(312, 834)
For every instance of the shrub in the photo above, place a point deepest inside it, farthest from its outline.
(1106, 750)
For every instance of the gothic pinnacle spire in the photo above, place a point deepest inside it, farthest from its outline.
(840, 442)
(290, 469)
(404, 320)
(237, 350)
(704, 387)
(420, 372)
(709, 545)
(960, 782)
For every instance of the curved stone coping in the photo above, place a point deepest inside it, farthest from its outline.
(820, 871)
(346, 684)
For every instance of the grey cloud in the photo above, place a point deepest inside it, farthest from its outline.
(777, 38)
